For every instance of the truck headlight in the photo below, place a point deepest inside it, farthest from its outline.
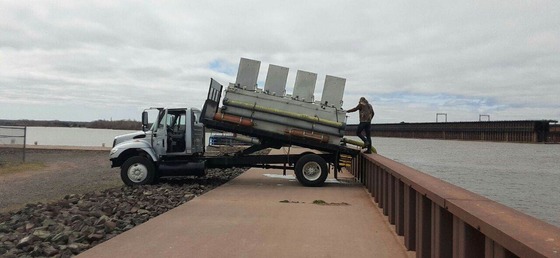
(113, 151)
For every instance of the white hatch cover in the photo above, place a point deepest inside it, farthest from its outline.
(333, 91)
(304, 86)
(276, 78)
(247, 73)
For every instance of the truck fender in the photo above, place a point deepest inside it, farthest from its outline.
(125, 150)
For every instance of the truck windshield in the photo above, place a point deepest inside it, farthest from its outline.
(175, 120)
(172, 119)
(154, 115)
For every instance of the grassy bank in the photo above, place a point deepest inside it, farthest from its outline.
(11, 168)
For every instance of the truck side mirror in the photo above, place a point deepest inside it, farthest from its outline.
(144, 120)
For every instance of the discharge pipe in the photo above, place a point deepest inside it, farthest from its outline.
(270, 119)
(233, 119)
(279, 112)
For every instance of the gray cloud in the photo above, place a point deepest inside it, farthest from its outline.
(112, 58)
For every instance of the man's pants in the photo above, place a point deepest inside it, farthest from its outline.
(365, 126)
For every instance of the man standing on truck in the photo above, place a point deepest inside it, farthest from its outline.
(366, 114)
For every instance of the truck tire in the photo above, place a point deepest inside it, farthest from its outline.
(138, 171)
(294, 164)
(201, 173)
(311, 170)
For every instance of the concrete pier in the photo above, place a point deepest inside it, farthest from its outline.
(264, 214)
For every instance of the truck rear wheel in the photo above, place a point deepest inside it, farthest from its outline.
(137, 171)
(311, 170)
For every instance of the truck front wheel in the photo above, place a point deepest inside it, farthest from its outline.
(137, 171)
(311, 170)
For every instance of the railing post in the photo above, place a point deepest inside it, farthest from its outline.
(495, 250)
(385, 193)
(442, 232)
(409, 218)
(24, 141)
(374, 182)
(381, 188)
(364, 174)
(371, 179)
(399, 208)
(360, 168)
(368, 177)
(363, 170)
(423, 225)
(353, 167)
(467, 241)
(378, 177)
(391, 199)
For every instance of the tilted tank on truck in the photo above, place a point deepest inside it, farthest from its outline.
(174, 145)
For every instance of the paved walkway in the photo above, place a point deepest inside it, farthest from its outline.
(264, 214)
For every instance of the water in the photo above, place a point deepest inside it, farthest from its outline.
(67, 136)
(525, 177)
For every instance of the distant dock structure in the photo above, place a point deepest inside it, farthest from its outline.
(525, 131)
(554, 133)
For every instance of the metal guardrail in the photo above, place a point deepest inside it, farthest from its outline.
(438, 219)
(13, 136)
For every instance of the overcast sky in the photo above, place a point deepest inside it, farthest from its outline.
(88, 60)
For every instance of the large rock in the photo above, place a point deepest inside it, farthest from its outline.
(77, 248)
(61, 238)
(29, 226)
(102, 220)
(110, 226)
(188, 197)
(4, 228)
(49, 222)
(26, 241)
(42, 234)
(50, 250)
(95, 237)
(76, 218)
(74, 224)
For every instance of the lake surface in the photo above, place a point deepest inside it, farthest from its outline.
(67, 136)
(525, 177)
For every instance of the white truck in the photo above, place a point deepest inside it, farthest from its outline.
(174, 145)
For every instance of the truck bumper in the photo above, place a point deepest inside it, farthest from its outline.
(115, 163)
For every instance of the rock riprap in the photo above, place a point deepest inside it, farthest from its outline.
(76, 223)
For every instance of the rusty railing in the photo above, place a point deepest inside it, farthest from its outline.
(438, 219)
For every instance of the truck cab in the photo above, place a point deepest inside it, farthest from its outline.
(176, 134)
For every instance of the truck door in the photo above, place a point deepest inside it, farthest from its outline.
(197, 140)
(159, 138)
